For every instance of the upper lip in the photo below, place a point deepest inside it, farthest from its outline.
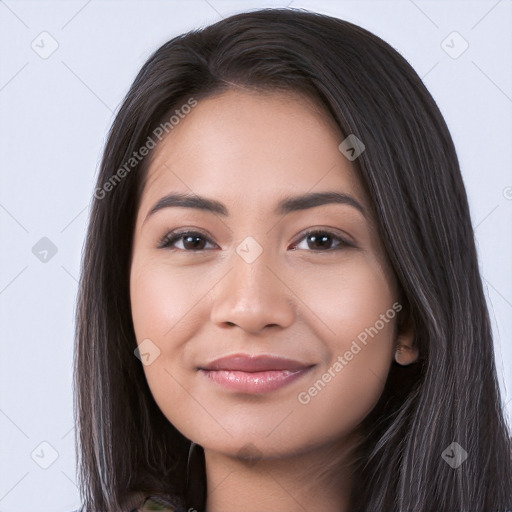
(259, 363)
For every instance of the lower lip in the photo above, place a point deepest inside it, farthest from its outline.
(254, 382)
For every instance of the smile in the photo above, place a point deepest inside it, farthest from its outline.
(254, 382)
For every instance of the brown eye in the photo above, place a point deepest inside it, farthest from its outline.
(192, 241)
(322, 241)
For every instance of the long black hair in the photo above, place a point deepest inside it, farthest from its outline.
(126, 446)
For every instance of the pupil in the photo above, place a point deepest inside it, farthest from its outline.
(316, 239)
(192, 244)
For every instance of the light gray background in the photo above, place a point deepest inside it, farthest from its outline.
(55, 113)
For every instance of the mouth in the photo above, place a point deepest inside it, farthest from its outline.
(254, 382)
(254, 374)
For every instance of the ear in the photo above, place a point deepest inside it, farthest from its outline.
(406, 351)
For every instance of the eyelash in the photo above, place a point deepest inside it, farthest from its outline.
(170, 238)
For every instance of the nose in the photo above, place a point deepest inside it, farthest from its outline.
(253, 296)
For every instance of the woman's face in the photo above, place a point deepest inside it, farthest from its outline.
(250, 281)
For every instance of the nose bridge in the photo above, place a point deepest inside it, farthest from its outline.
(252, 263)
(251, 295)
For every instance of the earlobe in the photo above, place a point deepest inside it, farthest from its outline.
(405, 354)
(406, 351)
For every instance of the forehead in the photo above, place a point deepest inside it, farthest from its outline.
(245, 147)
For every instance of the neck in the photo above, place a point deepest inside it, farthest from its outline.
(319, 479)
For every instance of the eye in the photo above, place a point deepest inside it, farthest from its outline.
(321, 241)
(192, 241)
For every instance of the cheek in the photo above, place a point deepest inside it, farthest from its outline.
(166, 310)
(358, 312)
(164, 301)
(354, 302)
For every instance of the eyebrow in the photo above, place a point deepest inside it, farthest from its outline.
(287, 205)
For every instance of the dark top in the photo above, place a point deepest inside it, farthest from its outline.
(153, 504)
(156, 505)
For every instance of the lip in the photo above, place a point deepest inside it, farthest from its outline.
(254, 374)
(258, 363)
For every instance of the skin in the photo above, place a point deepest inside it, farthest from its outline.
(248, 150)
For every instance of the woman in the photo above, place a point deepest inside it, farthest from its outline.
(280, 304)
